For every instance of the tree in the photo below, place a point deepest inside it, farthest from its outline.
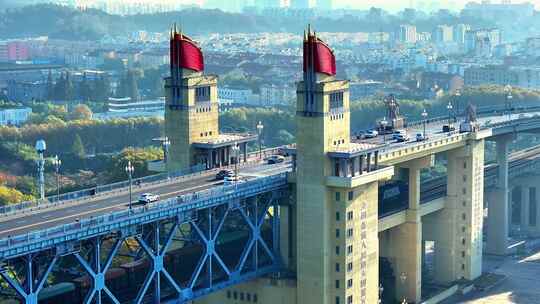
(10, 196)
(81, 112)
(137, 157)
(78, 147)
(132, 87)
(50, 87)
(85, 91)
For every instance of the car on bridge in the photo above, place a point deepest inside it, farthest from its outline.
(224, 174)
(371, 134)
(147, 198)
(275, 159)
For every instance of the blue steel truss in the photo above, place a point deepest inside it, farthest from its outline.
(254, 203)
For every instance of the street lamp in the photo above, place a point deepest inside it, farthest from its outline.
(41, 146)
(57, 163)
(236, 149)
(384, 123)
(449, 107)
(403, 278)
(129, 170)
(457, 95)
(424, 116)
(260, 128)
(508, 100)
(166, 143)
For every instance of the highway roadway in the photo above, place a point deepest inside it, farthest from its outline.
(20, 224)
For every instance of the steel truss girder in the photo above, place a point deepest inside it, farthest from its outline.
(156, 253)
(33, 284)
(97, 271)
(215, 216)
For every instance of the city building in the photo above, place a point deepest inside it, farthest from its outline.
(14, 117)
(505, 9)
(272, 95)
(236, 95)
(407, 33)
(459, 33)
(24, 91)
(264, 4)
(517, 76)
(443, 34)
(482, 39)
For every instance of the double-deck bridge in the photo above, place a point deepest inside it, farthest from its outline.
(310, 230)
(201, 237)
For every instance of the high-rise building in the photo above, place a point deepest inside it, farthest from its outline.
(459, 33)
(406, 33)
(443, 34)
(482, 37)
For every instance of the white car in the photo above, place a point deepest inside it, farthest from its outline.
(402, 138)
(399, 133)
(371, 134)
(147, 198)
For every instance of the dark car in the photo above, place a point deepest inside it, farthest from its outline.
(224, 173)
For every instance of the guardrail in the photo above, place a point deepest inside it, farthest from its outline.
(99, 191)
(90, 227)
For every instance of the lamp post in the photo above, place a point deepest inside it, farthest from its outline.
(403, 278)
(508, 100)
(457, 100)
(384, 123)
(424, 116)
(166, 143)
(41, 146)
(236, 149)
(449, 107)
(260, 128)
(57, 163)
(129, 170)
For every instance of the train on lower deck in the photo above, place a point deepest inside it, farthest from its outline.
(123, 281)
(393, 197)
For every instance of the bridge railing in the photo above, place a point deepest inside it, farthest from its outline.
(184, 204)
(101, 190)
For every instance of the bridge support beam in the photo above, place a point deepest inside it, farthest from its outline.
(458, 235)
(530, 211)
(407, 237)
(498, 204)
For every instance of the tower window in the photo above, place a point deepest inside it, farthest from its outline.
(336, 100)
(202, 94)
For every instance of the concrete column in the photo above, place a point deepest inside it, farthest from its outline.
(209, 160)
(458, 233)
(368, 162)
(498, 227)
(361, 164)
(525, 207)
(407, 238)
(406, 244)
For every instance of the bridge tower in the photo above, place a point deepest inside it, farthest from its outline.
(191, 112)
(336, 202)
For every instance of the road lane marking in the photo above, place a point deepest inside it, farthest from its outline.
(79, 215)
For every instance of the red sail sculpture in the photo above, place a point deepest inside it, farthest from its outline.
(185, 53)
(318, 55)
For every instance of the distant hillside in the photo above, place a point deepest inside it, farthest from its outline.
(67, 23)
